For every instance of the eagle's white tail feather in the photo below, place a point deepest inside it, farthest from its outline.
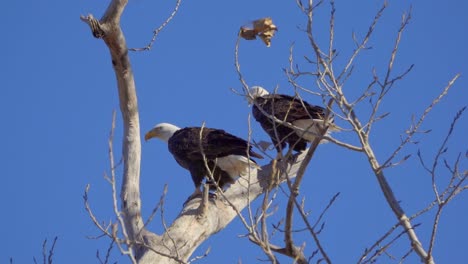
(312, 127)
(237, 165)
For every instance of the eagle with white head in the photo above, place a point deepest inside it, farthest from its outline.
(307, 119)
(195, 148)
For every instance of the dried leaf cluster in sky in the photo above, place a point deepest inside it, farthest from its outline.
(263, 28)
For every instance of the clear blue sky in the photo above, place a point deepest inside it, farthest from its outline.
(59, 92)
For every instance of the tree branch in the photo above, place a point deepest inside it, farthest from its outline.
(108, 28)
(219, 213)
(159, 29)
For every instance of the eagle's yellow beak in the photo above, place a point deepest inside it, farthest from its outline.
(150, 134)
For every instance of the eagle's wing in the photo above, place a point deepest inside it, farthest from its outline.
(290, 109)
(219, 143)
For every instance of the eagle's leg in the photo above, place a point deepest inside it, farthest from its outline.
(222, 179)
(197, 179)
(212, 196)
(195, 194)
(213, 189)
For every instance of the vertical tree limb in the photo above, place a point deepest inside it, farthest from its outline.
(108, 28)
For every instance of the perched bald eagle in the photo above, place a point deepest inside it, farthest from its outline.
(293, 110)
(227, 156)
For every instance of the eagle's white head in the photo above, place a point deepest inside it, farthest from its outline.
(254, 92)
(163, 131)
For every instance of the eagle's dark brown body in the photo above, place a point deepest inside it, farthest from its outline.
(285, 108)
(186, 147)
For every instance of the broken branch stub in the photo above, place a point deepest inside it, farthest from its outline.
(263, 28)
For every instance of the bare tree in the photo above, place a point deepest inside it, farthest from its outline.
(202, 217)
(175, 245)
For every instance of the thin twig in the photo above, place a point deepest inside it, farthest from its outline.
(166, 232)
(415, 128)
(200, 257)
(362, 44)
(159, 29)
(441, 200)
(155, 209)
(109, 249)
(330, 203)
(103, 229)
(51, 251)
(388, 84)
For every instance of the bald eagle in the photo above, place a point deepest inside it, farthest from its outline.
(227, 156)
(293, 110)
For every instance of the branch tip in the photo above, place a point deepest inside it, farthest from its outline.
(94, 24)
